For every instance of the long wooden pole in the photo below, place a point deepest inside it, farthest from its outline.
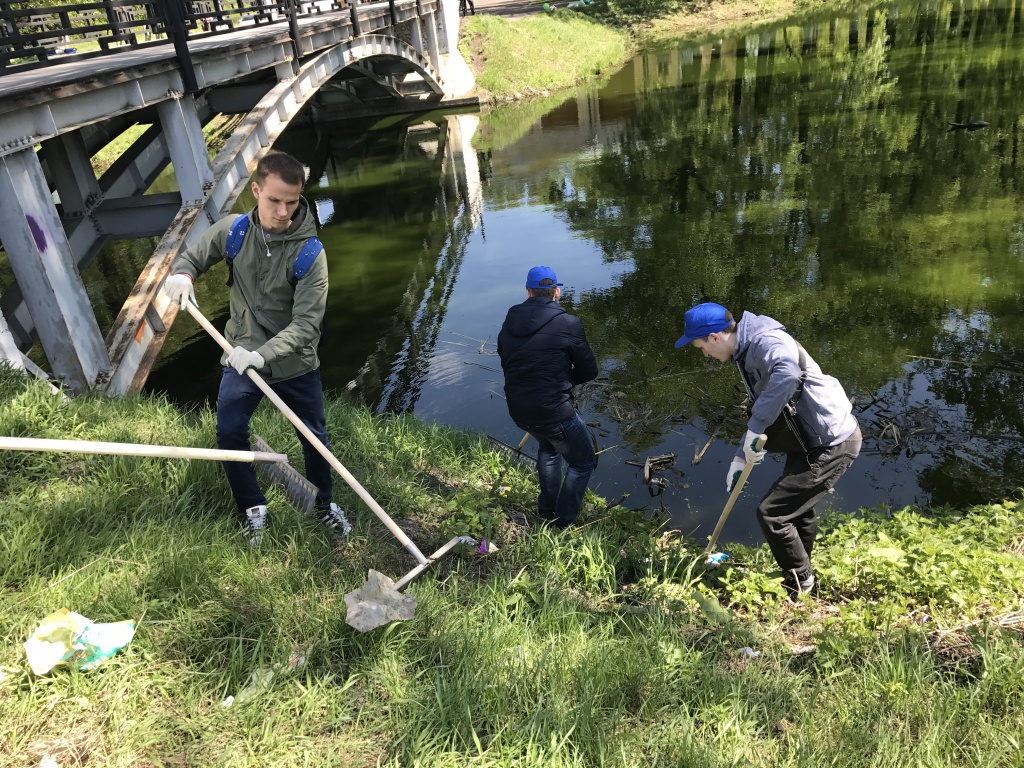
(314, 441)
(134, 449)
(758, 444)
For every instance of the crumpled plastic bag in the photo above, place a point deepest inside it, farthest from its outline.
(66, 637)
(377, 603)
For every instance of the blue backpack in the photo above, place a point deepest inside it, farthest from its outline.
(236, 235)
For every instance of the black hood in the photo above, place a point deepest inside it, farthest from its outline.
(529, 317)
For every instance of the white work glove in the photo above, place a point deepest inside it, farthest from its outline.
(178, 289)
(753, 456)
(242, 360)
(735, 470)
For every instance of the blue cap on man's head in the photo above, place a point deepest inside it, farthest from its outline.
(703, 320)
(538, 274)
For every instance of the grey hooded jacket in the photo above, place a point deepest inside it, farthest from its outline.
(268, 314)
(768, 360)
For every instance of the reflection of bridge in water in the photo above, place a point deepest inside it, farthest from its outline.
(392, 377)
(399, 55)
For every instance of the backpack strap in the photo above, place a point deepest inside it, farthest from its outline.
(236, 236)
(305, 259)
(802, 361)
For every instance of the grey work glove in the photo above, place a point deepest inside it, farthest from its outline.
(735, 470)
(242, 360)
(178, 288)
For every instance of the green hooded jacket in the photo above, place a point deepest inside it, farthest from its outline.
(268, 315)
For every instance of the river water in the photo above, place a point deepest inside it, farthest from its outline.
(805, 170)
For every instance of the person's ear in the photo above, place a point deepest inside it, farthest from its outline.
(256, 190)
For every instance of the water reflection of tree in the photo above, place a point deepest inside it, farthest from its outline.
(823, 190)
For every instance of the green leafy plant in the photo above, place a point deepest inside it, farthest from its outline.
(751, 590)
(469, 512)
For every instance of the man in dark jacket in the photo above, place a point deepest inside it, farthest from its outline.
(821, 437)
(544, 352)
(274, 328)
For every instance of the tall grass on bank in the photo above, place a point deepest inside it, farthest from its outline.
(525, 57)
(607, 645)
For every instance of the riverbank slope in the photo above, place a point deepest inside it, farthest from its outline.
(518, 56)
(608, 644)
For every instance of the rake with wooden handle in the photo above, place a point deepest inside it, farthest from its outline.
(135, 449)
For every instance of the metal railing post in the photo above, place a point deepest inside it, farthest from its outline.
(356, 30)
(291, 10)
(174, 16)
(391, 10)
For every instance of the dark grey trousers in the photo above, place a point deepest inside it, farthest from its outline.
(786, 513)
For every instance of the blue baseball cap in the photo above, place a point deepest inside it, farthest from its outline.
(537, 274)
(703, 320)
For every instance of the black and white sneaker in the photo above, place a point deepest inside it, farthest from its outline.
(334, 518)
(798, 585)
(255, 524)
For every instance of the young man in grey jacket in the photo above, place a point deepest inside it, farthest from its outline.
(274, 328)
(820, 436)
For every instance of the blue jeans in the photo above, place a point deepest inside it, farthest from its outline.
(236, 403)
(560, 500)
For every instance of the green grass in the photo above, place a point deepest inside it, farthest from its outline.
(545, 52)
(607, 645)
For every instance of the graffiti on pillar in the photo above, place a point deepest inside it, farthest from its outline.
(37, 233)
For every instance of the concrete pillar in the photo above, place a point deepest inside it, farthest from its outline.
(457, 76)
(433, 52)
(187, 146)
(416, 35)
(41, 260)
(72, 172)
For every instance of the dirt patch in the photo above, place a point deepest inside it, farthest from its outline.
(476, 56)
(67, 750)
(714, 16)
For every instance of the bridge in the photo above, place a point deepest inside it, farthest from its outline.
(74, 76)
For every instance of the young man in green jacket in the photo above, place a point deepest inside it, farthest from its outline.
(274, 328)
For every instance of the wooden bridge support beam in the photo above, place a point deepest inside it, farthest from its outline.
(187, 147)
(42, 262)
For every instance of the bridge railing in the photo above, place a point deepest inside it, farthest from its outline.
(33, 36)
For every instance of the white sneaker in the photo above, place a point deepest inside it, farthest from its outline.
(255, 523)
(334, 518)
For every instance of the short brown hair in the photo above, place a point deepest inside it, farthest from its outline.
(282, 165)
(544, 293)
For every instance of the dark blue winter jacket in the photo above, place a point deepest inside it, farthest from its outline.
(544, 352)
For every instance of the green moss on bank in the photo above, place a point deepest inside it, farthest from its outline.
(606, 645)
